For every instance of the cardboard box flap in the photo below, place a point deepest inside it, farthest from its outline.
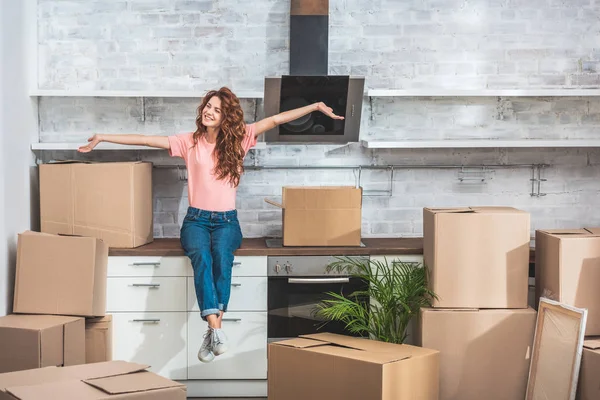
(593, 231)
(301, 343)
(32, 376)
(364, 349)
(374, 357)
(65, 389)
(592, 344)
(104, 369)
(35, 322)
(138, 382)
(69, 162)
(455, 210)
(274, 203)
(557, 232)
(497, 209)
(340, 340)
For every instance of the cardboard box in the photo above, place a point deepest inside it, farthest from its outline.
(98, 339)
(567, 269)
(61, 275)
(109, 201)
(34, 341)
(321, 215)
(588, 387)
(336, 367)
(481, 351)
(478, 257)
(107, 380)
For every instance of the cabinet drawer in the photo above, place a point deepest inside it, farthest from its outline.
(149, 266)
(145, 294)
(249, 266)
(247, 354)
(247, 294)
(154, 339)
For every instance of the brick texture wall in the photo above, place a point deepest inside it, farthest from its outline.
(430, 44)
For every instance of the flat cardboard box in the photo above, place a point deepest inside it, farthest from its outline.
(337, 367)
(478, 257)
(98, 339)
(35, 341)
(106, 380)
(481, 351)
(321, 215)
(588, 387)
(567, 269)
(110, 201)
(60, 275)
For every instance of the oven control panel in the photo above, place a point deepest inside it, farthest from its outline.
(304, 265)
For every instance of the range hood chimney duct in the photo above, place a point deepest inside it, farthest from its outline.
(309, 37)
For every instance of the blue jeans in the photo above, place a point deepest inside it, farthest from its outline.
(209, 239)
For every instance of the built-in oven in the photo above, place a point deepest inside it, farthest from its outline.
(296, 287)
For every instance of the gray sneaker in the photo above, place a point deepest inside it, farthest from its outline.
(205, 354)
(219, 342)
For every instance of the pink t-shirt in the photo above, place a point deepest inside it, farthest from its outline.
(205, 191)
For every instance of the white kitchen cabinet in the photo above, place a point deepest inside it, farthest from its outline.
(156, 322)
(146, 293)
(247, 294)
(155, 339)
(247, 355)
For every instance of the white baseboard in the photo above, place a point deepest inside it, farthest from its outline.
(226, 388)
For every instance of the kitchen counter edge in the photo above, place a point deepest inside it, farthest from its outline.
(171, 247)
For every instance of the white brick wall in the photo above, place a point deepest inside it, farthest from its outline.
(198, 45)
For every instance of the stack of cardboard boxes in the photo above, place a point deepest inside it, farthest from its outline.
(59, 313)
(567, 269)
(478, 260)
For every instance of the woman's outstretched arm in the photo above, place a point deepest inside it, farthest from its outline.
(161, 142)
(271, 122)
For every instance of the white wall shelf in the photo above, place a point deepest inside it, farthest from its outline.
(483, 92)
(479, 143)
(135, 93)
(107, 146)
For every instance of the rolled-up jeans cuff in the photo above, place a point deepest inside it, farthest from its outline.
(210, 311)
(222, 307)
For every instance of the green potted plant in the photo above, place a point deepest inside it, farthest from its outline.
(396, 290)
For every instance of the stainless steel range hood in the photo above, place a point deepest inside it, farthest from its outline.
(308, 82)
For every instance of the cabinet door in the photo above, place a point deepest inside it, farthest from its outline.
(247, 354)
(247, 294)
(145, 294)
(155, 339)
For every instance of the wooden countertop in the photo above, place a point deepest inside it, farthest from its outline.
(257, 247)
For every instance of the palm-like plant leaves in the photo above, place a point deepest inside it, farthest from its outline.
(397, 291)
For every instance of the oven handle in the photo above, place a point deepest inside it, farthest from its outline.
(318, 280)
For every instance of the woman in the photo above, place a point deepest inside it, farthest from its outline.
(210, 233)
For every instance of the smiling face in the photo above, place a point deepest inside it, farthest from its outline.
(212, 114)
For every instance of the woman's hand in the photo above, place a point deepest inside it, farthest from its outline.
(93, 142)
(327, 111)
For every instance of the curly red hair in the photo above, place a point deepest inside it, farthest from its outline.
(229, 152)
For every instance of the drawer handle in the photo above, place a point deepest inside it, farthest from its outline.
(150, 320)
(236, 284)
(232, 319)
(148, 285)
(146, 264)
(237, 263)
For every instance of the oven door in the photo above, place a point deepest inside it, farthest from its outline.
(293, 301)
